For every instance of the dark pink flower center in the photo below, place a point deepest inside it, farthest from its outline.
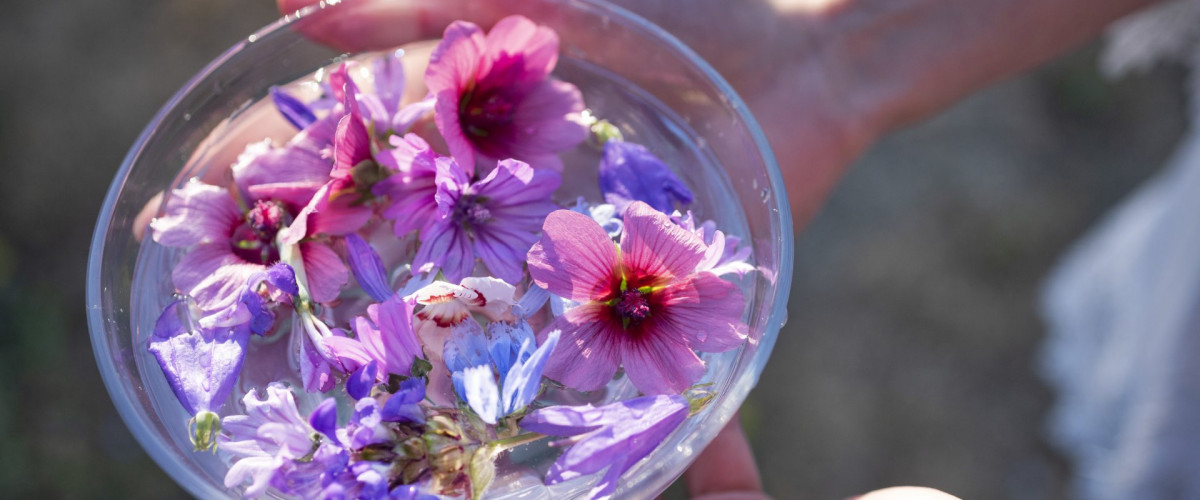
(254, 239)
(632, 306)
(483, 114)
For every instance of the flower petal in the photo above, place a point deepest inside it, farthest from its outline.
(197, 213)
(630, 172)
(395, 320)
(325, 271)
(213, 276)
(654, 250)
(575, 258)
(537, 46)
(360, 383)
(367, 268)
(295, 112)
(525, 380)
(705, 310)
(200, 365)
(324, 418)
(447, 247)
(481, 393)
(589, 352)
(661, 365)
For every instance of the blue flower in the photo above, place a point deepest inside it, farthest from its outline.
(507, 355)
(629, 172)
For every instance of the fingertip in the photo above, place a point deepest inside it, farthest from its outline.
(907, 493)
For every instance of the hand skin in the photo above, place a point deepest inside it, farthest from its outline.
(825, 79)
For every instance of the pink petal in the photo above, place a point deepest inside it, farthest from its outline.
(660, 365)
(351, 145)
(292, 194)
(544, 116)
(395, 321)
(705, 310)
(213, 275)
(326, 271)
(454, 63)
(517, 35)
(654, 250)
(262, 163)
(575, 258)
(197, 213)
(349, 352)
(445, 116)
(588, 352)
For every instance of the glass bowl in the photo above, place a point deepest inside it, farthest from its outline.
(697, 110)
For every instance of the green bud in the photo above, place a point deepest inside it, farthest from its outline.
(604, 131)
(205, 427)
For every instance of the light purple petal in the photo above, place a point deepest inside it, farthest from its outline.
(367, 268)
(200, 365)
(395, 321)
(517, 36)
(390, 80)
(654, 250)
(262, 165)
(629, 172)
(575, 258)
(410, 114)
(447, 247)
(213, 276)
(197, 213)
(325, 270)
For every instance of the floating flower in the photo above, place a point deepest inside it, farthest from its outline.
(200, 364)
(384, 336)
(629, 172)
(509, 358)
(384, 108)
(642, 307)
(277, 447)
(495, 98)
(495, 219)
(615, 436)
(447, 304)
(367, 268)
(229, 246)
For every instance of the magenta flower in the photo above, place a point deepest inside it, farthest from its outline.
(495, 219)
(615, 436)
(642, 306)
(495, 98)
(229, 246)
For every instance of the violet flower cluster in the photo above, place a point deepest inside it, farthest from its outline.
(388, 302)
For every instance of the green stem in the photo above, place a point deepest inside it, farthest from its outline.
(515, 441)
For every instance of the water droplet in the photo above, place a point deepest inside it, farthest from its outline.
(766, 195)
(252, 39)
(187, 116)
(783, 319)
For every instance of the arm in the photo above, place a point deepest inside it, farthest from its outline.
(826, 78)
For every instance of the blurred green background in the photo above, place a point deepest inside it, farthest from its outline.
(909, 357)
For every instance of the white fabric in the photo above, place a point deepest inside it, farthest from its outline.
(1123, 311)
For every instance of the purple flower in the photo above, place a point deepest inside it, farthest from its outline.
(495, 219)
(200, 364)
(641, 306)
(366, 426)
(413, 185)
(723, 255)
(494, 97)
(277, 447)
(229, 246)
(382, 108)
(616, 436)
(404, 404)
(385, 336)
(629, 172)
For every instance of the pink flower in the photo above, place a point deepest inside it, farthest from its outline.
(642, 306)
(229, 245)
(494, 97)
